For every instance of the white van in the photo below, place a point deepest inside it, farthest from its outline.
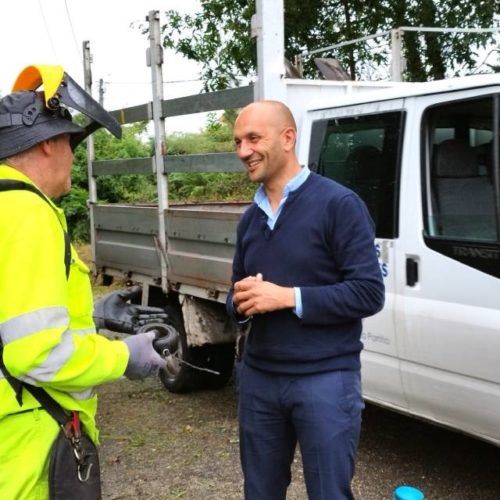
(425, 159)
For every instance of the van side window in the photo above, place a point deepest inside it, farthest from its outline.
(362, 153)
(461, 181)
(460, 154)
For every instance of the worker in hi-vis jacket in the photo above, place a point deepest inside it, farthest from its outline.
(48, 326)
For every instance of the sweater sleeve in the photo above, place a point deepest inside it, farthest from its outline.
(360, 290)
(238, 270)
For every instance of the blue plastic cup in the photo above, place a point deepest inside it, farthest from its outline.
(408, 493)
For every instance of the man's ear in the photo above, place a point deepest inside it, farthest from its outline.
(46, 147)
(289, 138)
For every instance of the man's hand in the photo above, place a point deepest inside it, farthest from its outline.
(253, 295)
(143, 360)
(115, 313)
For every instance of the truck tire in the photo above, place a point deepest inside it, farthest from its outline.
(181, 378)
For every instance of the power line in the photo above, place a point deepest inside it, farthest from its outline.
(149, 83)
(484, 60)
(72, 30)
(47, 30)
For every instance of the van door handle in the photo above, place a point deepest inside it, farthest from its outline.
(411, 271)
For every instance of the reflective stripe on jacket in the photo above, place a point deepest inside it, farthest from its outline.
(46, 323)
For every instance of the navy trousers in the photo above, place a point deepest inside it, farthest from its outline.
(322, 412)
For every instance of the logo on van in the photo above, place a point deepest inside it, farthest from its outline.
(375, 338)
(476, 252)
(384, 266)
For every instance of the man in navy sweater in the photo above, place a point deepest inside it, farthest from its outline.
(305, 273)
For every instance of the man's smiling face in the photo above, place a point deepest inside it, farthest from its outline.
(258, 143)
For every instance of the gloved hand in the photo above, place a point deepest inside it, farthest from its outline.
(114, 313)
(143, 360)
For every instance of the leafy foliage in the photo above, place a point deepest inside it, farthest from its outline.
(208, 186)
(218, 36)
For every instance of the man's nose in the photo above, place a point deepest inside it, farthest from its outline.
(244, 150)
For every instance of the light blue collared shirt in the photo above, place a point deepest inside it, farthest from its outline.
(262, 201)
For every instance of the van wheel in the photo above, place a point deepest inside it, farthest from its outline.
(181, 378)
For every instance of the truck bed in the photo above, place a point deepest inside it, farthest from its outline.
(200, 242)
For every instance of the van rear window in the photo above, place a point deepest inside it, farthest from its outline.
(461, 192)
(362, 153)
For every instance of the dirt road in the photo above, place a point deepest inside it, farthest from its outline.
(157, 445)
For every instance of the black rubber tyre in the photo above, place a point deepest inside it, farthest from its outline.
(178, 377)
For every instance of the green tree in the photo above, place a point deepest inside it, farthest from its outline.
(218, 36)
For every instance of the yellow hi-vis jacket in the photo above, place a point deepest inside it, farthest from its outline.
(46, 324)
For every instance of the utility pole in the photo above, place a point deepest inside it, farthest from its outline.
(268, 27)
(91, 202)
(154, 56)
(397, 60)
(101, 92)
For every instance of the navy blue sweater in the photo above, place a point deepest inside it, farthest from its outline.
(323, 242)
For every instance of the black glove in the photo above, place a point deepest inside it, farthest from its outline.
(113, 312)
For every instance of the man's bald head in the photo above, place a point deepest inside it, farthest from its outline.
(274, 112)
(265, 134)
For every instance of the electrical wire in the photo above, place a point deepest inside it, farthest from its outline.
(484, 60)
(47, 30)
(72, 30)
(149, 83)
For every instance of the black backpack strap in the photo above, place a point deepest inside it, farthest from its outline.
(10, 185)
(48, 403)
(52, 407)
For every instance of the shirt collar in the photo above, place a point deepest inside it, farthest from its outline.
(293, 184)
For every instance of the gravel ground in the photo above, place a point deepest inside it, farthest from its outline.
(157, 445)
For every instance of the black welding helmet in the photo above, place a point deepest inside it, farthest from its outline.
(28, 117)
